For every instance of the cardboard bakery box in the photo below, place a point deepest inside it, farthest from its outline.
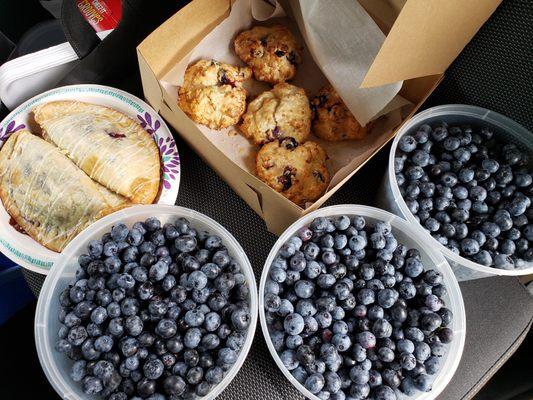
(422, 40)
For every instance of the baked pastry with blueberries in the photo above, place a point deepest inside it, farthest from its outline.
(298, 172)
(212, 93)
(271, 51)
(332, 121)
(278, 113)
(110, 147)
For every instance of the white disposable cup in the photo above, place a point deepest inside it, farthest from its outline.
(454, 114)
(431, 259)
(57, 366)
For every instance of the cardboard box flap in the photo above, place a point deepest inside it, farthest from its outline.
(199, 17)
(426, 37)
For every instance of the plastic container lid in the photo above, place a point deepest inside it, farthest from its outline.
(408, 236)
(28, 75)
(477, 117)
(57, 366)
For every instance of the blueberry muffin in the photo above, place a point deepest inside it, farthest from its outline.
(272, 52)
(212, 93)
(298, 172)
(278, 113)
(332, 121)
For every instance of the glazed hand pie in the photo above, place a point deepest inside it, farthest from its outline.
(107, 145)
(45, 193)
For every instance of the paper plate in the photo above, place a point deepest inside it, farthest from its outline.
(20, 247)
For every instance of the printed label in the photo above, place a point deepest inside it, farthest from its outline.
(103, 15)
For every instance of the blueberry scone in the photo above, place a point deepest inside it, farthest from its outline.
(212, 93)
(278, 113)
(298, 172)
(272, 52)
(332, 120)
(110, 147)
(48, 196)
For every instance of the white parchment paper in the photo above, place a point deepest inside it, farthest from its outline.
(344, 156)
(344, 40)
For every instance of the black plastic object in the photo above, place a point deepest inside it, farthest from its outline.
(115, 57)
(78, 32)
(6, 48)
(41, 36)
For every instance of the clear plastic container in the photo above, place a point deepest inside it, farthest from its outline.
(477, 117)
(431, 258)
(57, 366)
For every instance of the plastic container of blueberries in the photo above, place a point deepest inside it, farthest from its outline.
(455, 114)
(56, 365)
(407, 235)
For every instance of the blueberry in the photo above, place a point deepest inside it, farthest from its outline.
(470, 246)
(507, 247)
(423, 382)
(360, 391)
(192, 338)
(449, 179)
(225, 282)
(95, 248)
(103, 343)
(153, 369)
(462, 154)
(174, 385)
(367, 340)
(195, 375)
(384, 393)
(460, 192)
(91, 385)
(341, 341)
(407, 143)
(293, 324)
(210, 341)
(196, 318)
(359, 375)
(400, 179)
(78, 370)
(422, 134)
(315, 383)
(503, 261)
(414, 172)
(240, 319)
(226, 356)
(523, 180)
(77, 335)
(528, 232)
(451, 143)
(420, 158)
(166, 328)
(119, 232)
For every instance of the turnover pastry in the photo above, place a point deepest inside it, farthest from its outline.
(45, 193)
(271, 51)
(212, 93)
(298, 172)
(278, 113)
(110, 147)
(332, 121)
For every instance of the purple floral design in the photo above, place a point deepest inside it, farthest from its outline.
(170, 159)
(167, 147)
(146, 123)
(10, 128)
